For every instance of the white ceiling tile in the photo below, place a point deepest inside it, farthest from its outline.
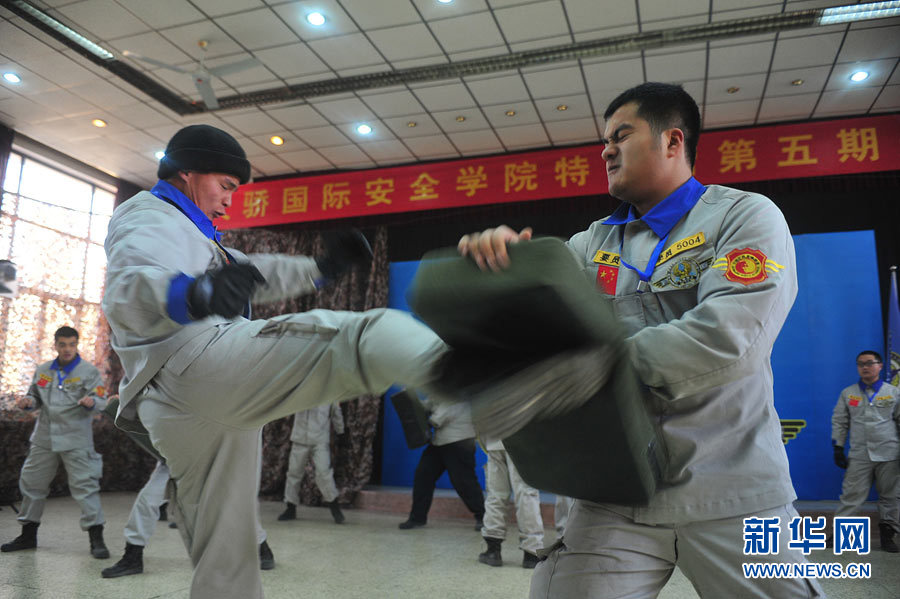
(571, 131)
(615, 76)
(474, 119)
(251, 123)
(163, 13)
(498, 89)
(407, 41)
(20, 109)
(810, 51)
(349, 110)
(519, 136)
(103, 19)
(432, 10)
(661, 25)
(444, 97)
(525, 114)
(297, 117)
(425, 126)
(337, 22)
(541, 43)
(306, 160)
(745, 13)
(366, 70)
(319, 137)
(846, 102)
(379, 132)
(480, 53)
(31, 83)
(387, 151)
(780, 82)
(344, 155)
(291, 60)
(291, 143)
(577, 106)
(223, 7)
(742, 40)
(553, 82)
(467, 32)
(257, 29)
(606, 33)
(66, 103)
(346, 51)
(394, 103)
(730, 114)
(432, 146)
(152, 45)
(271, 165)
(792, 33)
(425, 61)
(64, 71)
(750, 87)
(740, 60)
(187, 36)
(530, 21)
(16, 44)
(586, 15)
(879, 71)
(889, 99)
(676, 66)
(657, 10)
(869, 44)
(476, 142)
(138, 141)
(142, 116)
(787, 108)
(725, 5)
(384, 13)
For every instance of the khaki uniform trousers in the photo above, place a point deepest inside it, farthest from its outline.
(858, 481)
(604, 554)
(321, 458)
(561, 510)
(84, 467)
(205, 416)
(501, 479)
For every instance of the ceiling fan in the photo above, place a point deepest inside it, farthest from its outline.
(201, 75)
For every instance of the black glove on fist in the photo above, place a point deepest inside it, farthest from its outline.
(840, 459)
(225, 291)
(343, 250)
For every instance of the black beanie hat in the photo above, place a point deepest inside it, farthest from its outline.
(204, 149)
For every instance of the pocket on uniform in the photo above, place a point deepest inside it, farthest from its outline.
(296, 328)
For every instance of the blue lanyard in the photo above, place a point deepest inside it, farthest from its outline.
(876, 387)
(644, 275)
(67, 369)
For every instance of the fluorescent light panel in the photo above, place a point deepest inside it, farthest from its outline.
(66, 31)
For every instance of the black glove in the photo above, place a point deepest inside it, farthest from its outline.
(343, 249)
(840, 459)
(225, 291)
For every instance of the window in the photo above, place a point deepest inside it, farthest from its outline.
(52, 226)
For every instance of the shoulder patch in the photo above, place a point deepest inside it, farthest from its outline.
(746, 266)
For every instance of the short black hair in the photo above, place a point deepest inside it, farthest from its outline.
(65, 332)
(870, 351)
(664, 105)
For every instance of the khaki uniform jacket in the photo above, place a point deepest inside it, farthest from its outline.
(873, 426)
(701, 338)
(313, 426)
(150, 242)
(452, 422)
(61, 423)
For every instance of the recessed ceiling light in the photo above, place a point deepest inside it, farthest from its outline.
(445, 1)
(510, 113)
(733, 90)
(411, 124)
(797, 82)
(364, 129)
(159, 155)
(562, 107)
(276, 140)
(859, 76)
(460, 118)
(98, 123)
(316, 19)
(12, 77)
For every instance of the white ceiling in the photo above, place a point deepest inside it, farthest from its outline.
(61, 91)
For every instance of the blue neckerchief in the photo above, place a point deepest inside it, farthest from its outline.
(168, 192)
(876, 387)
(661, 219)
(67, 369)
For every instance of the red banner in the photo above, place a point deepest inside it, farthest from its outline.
(762, 153)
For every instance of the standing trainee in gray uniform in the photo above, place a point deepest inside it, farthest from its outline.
(67, 392)
(702, 277)
(201, 377)
(870, 410)
(310, 438)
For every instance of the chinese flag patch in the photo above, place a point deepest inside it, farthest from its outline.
(853, 402)
(606, 278)
(100, 390)
(42, 383)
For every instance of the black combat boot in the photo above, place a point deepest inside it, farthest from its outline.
(98, 547)
(131, 563)
(529, 560)
(266, 558)
(289, 513)
(26, 540)
(887, 538)
(336, 512)
(491, 557)
(163, 512)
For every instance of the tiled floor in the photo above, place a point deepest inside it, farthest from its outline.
(368, 557)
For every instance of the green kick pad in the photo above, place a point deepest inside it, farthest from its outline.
(540, 354)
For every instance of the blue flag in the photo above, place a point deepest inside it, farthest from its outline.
(893, 334)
